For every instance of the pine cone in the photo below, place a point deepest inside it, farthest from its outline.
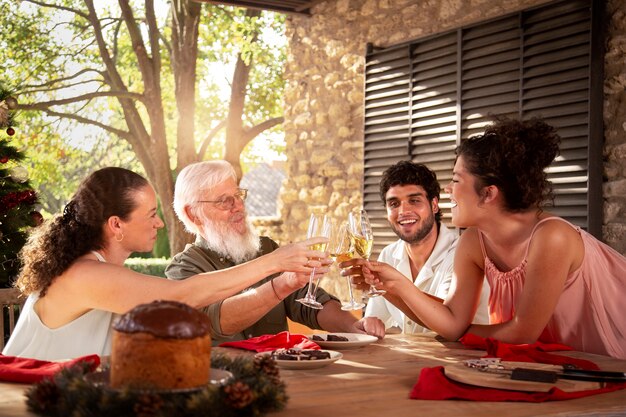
(147, 405)
(268, 366)
(238, 394)
(45, 397)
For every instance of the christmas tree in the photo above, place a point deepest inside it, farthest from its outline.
(17, 198)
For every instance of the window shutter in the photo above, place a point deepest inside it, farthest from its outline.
(387, 88)
(424, 97)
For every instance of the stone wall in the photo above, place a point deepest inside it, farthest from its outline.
(323, 101)
(614, 189)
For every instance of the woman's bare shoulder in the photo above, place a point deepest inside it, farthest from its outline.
(86, 270)
(469, 237)
(556, 230)
(557, 239)
(469, 245)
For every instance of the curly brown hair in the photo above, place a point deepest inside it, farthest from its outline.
(513, 155)
(57, 243)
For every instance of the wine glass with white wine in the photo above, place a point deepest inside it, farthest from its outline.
(341, 249)
(319, 226)
(363, 237)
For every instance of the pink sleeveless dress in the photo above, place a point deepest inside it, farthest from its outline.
(590, 315)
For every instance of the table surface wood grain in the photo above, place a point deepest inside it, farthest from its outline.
(375, 380)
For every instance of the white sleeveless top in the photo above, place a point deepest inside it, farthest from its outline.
(85, 335)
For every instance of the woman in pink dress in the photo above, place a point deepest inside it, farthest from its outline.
(550, 280)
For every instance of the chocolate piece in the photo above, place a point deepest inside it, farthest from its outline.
(316, 354)
(336, 338)
(299, 355)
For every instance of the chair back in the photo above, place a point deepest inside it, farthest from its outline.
(11, 303)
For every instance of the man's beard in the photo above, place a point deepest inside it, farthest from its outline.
(420, 234)
(231, 244)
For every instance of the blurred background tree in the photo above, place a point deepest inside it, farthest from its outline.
(151, 86)
(17, 198)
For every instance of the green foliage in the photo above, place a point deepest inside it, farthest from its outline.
(49, 54)
(162, 245)
(29, 52)
(57, 165)
(39, 44)
(148, 266)
(226, 32)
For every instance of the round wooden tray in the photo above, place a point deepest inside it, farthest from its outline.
(472, 376)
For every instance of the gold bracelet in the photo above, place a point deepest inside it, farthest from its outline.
(274, 288)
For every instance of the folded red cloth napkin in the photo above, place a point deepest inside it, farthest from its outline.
(434, 385)
(533, 352)
(25, 370)
(268, 342)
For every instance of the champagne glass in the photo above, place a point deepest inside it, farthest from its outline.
(363, 236)
(319, 226)
(341, 249)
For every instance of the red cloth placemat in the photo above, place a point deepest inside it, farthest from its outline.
(434, 385)
(28, 371)
(269, 342)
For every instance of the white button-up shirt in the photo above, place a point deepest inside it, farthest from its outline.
(434, 278)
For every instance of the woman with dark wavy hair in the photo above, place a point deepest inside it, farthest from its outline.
(74, 275)
(550, 280)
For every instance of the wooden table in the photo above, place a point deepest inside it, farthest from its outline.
(375, 380)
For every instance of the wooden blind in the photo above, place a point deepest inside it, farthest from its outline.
(422, 98)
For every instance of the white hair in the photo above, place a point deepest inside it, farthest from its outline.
(193, 180)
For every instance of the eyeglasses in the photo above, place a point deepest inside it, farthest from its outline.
(228, 202)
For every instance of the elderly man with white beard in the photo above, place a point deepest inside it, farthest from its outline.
(209, 202)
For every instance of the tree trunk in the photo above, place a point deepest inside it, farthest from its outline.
(142, 107)
(235, 131)
(185, 22)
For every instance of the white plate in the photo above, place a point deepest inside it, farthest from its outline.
(216, 376)
(219, 376)
(354, 340)
(307, 364)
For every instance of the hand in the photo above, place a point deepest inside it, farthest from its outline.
(383, 276)
(365, 273)
(296, 280)
(370, 325)
(299, 258)
(353, 268)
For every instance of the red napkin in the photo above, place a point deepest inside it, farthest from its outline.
(269, 342)
(434, 385)
(28, 371)
(533, 352)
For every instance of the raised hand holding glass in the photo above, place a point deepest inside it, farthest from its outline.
(341, 249)
(363, 236)
(319, 226)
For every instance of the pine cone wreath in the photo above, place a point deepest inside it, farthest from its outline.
(147, 405)
(238, 395)
(268, 366)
